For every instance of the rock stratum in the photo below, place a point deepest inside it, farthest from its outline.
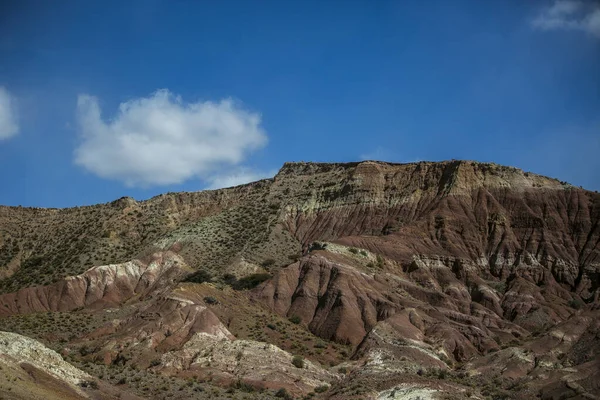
(370, 280)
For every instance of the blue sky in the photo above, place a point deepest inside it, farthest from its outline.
(103, 99)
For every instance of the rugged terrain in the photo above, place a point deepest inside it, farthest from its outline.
(363, 280)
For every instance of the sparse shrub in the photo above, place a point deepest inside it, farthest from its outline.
(84, 351)
(321, 389)
(283, 394)
(499, 287)
(576, 304)
(267, 263)
(154, 362)
(294, 319)
(298, 362)
(199, 277)
(229, 279)
(211, 300)
(244, 387)
(317, 246)
(272, 327)
(89, 384)
(441, 374)
(250, 281)
(353, 250)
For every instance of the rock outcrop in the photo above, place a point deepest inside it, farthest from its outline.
(99, 287)
(258, 364)
(164, 324)
(21, 349)
(398, 311)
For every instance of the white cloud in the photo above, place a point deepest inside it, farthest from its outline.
(570, 15)
(160, 140)
(239, 177)
(9, 125)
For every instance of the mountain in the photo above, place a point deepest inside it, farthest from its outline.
(366, 280)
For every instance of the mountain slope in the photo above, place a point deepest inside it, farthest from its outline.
(404, 279)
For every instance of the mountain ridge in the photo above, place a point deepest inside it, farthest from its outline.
(293, 166)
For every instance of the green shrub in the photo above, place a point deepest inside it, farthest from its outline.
(283, 394)
(267, 263)
(576, 304)
(250, 281)
(155, 362)
(317, 246)
(499, 287)
(244, 387)
(353, 250)
(89, 384)
(247, 282)
(298, 362)
(199, 277)
(321, 389)
(294, 319)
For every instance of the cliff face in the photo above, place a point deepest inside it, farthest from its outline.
(479, 220)
(496, 217)
(396, 271)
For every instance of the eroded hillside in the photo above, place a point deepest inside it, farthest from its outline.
(358, 280)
